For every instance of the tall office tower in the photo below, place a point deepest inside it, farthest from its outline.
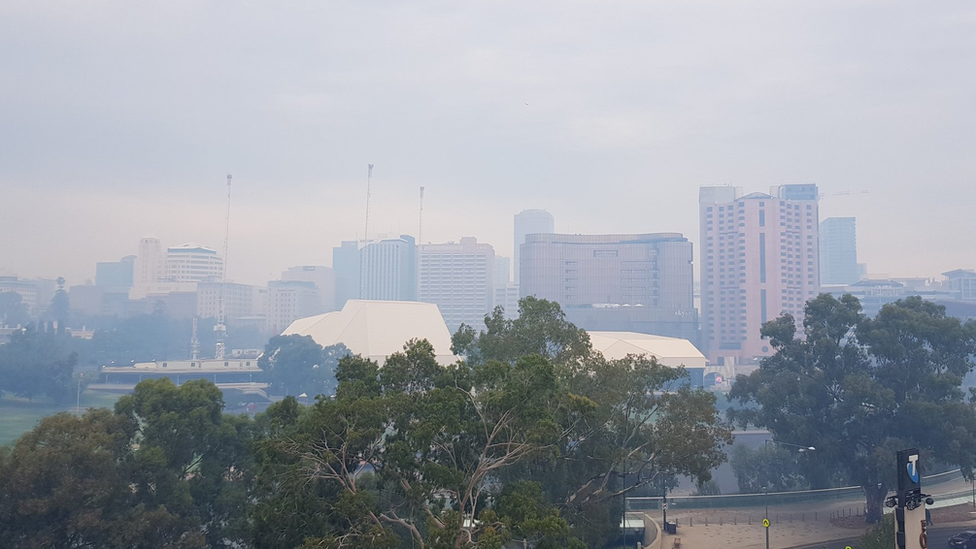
(759, 260)
(150, 262)
(838, 251)
(618, 282)
(388, 269)
(458, 278)
(345, 265)
(117, 275)
(192, 262)
(530, 222)
(322, 277)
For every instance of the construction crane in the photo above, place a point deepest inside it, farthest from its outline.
(369, 181)
(220, 328)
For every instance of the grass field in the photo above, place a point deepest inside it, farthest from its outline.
(18, 415)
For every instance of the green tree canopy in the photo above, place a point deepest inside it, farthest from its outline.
(13, 312)
(860, 389)
(295, 364)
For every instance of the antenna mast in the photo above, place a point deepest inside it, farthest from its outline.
(194, 343)
(369, 180)
(220, 328)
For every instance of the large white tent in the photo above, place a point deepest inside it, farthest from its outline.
(377, 329)
(669, 351)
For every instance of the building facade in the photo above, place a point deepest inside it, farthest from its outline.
(838, 251)
(388, 269)
(345, 265)
(289, 300)
(322, 277)
(530, 222)
(150, 262)
(192, 262)
(239, 300)
(459, 279)
(619, 282)
(759, 260)
(117, 275)
(961, 284)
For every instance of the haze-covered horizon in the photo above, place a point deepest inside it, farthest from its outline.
(120, 120)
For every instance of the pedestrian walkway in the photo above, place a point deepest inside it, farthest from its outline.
(795, 524)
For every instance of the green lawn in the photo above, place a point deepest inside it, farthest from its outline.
(18, 415)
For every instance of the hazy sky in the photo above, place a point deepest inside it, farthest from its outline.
(121, 119)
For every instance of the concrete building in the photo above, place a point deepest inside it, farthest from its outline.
(459, 279)
(28, 292)
(502, 271)
(961, 284)
(192, 262)
(838, 251)
(618, 282)
(116, 275)
(322, 277)
(507, 297)
(759, 260)
(289, 300)
(150, 262)
(345, 265)
(530, 222)
(377, 329)
(388, 269)
(239, 300)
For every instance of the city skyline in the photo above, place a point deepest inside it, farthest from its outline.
(113, 130)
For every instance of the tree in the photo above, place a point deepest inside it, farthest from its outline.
(191, 458)
(37, 363)
(295, 364)
(13, 312)
(63, 485)
(860, 389)
(60, 309)
(769, 466)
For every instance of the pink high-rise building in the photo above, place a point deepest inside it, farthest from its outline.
(759, 260)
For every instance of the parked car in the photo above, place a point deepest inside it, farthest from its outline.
(964, 540)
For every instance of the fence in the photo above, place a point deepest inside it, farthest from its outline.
(773, 498)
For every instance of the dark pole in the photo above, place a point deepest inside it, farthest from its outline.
(766, 493)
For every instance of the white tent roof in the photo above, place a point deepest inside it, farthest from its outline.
(669, 351)
(377, 329)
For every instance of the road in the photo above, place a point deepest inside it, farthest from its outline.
(938, 538)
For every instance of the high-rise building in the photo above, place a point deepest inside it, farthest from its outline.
(322, 277)
(192, 262)
(530, 222)
(502, 271)
(458, 278)
(759, 260)
(618, 282)
(345, 265)
(838, 251)
(150, 262)
(388, 269)
(117, 275)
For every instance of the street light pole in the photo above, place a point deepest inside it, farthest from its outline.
(766, 442)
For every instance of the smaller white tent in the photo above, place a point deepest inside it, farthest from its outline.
(669, 351)
(377, 329)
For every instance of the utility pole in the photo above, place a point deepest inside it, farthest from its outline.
(369, 181)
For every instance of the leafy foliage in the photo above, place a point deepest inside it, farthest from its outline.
(36, 363)
(295, 364)
(859, 389)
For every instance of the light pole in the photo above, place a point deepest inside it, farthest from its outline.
(766, 487)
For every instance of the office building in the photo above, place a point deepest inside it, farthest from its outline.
(322, 277)
(530, 222)
(289, 300)
(388, 270)
(618, 282)
(838, 251)
(507, 297)
(502, 271)
(345, 265)
(192, 262)
(150, 262)
(117, 275)
(239, 300)
(458, 278)
(28, 291)
(759, 260)
(961, 284)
